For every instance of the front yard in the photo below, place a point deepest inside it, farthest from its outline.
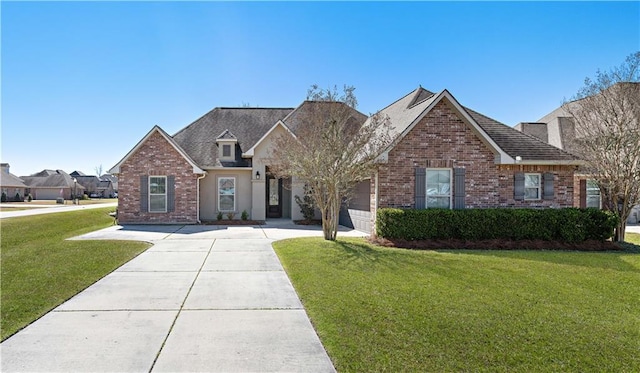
(40, 270)
(384, 309)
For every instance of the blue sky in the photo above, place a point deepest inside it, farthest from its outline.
(82, 82)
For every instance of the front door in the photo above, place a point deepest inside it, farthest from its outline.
(274, 197)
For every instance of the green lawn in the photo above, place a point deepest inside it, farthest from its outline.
(385, 309)
(40, 269)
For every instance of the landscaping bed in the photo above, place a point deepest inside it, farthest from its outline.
(496, 244)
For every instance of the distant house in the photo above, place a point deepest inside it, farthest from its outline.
(52, 184)
(113, 179)
(444, 155)
(558, 129)
(95, 186)
(11, 185)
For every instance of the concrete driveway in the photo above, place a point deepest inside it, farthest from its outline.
(201, 299)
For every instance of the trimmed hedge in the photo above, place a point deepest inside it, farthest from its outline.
(566, 224)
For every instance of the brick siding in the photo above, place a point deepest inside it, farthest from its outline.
(157, 157)
(443, 140)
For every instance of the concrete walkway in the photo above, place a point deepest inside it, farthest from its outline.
(51, 209)
(201, 299)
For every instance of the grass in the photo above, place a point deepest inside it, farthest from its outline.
(53, 202)
(40, 270)
(385, 309)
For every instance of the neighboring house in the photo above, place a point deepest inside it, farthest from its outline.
(50, 184)
(10, 184)
(558, 129)
(95, 186)
(443, 155)
(113, 179)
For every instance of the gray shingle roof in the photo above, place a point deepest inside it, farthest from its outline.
(313, 108)
(248, 125)
(10, 180)
(407, 109)
(59, 179)
(516, 143)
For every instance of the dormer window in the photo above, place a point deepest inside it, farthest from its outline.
(226, 146)
(226, 150)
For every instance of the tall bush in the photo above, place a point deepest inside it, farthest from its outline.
(566, 225)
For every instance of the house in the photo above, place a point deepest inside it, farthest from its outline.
(113, 179)
(558, 129)
(52, 184)
(10, 184)
(443, 155)
(95, 186)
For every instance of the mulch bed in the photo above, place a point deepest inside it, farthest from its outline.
(591, 245)
(233, 222)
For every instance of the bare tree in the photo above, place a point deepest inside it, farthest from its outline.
(331, 147)
(98, 170)
(606, 113)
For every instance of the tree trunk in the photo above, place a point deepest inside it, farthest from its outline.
(618, 236)
(330, 220)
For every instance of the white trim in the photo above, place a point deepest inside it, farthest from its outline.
(540, 186)
(426, 185)
(249, 153)
(156, 194)
(235, 192)
(218, 168)
(196, 169)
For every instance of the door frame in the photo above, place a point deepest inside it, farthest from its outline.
(273, 211)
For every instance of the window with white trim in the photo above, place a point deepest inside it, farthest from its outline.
(226, 150)
(226, 194)
(438, 188)
(593, 194)
(157, 194)
(532, 186)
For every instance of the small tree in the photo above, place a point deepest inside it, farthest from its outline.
(606, 113)
(331, 148)
(98, 170)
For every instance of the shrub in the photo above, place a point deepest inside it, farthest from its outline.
(566, 225)
(85, 197)
(307, 204)
(231, 215)
(3, 198)
(245, 215)
(29, 197)
(17, 198)
(219, 216)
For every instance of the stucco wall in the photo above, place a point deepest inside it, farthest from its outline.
(209, 193)
(261, 160)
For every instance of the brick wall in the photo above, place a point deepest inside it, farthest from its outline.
(442, 140)
(157, 157)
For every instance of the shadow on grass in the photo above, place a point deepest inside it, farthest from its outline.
(615, 260)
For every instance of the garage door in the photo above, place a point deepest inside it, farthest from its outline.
(356, 213)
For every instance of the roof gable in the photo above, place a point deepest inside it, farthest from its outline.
(247, 125)
(507, 143)
(156, 129)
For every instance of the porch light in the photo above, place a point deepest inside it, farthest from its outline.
(518, 159)
(258, 175)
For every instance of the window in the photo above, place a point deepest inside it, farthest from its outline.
(226, 150)
(157, 194)
(593, 194)
(227, 194)
(438, 188)
(532, 183)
